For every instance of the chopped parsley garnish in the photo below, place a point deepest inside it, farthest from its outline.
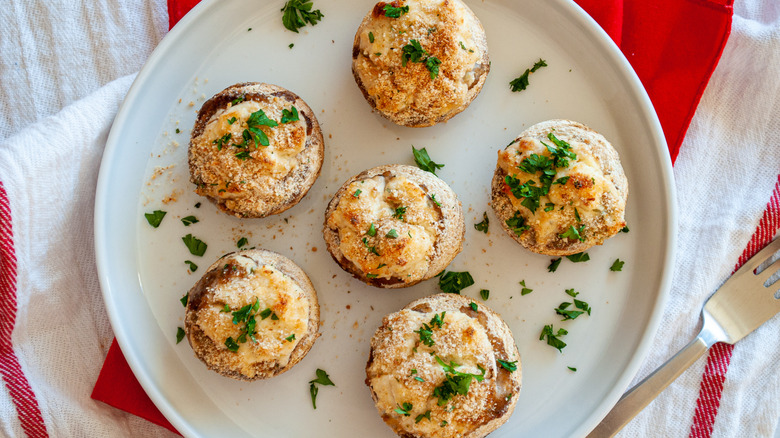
(371, 37)
(196, 246)
(454, 282)
(573, 233)
(432, 63)
(484, 294)
(424, 162)
(296, 13)
(624, 229)
(231, 344)
(549, 206)
(193, 266)
(246, 315)
(617, 265)
(462, 46)
(231, 120)
(178, 131)
(394, 12)
(566, 313)
(516, 223)
(371, 249)
(419, 379)
(371, 230)
(399, 213)
(525, 290)
(554, 263)
(509, 366)
(357, 193)
(426, 415)
(187, 221)
(291, 45)
(426, 330)
(179, 334)
(241, 242)
(372, 275)
(443, 423)
(413, 52)
(433, 198)
(290, 338)
(154, 218)
(455, 382)
(474, 306)
(290, 115)
(254, 122)
(572, 293)
(197, 205)
(185, 299)
(392, 234)
(553, 337)
(572, 368)
(561, 154)
(223, 141)
(268, 312)
(483, 226)
(322, 379)
(577, 215)
(520, 83)
(237, 100)
(404, 409)
(579, 257)
(243, 156)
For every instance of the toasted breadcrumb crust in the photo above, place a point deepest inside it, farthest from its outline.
(274, 177)
(406, 94)
(402, 369)
(593, 196)
(432, 213)
(232, 281)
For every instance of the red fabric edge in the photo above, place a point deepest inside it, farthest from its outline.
(674, 146)
(719, 358)
(15, 381)
(116, 373)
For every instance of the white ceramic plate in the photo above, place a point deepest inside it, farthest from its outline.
(143, 274)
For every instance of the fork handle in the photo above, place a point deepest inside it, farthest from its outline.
(648, 389)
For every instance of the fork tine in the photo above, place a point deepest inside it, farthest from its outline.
(769, 271)
(760, 257)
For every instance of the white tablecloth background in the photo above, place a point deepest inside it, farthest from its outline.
(65, 68)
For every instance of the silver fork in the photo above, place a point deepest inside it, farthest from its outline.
(737, 308)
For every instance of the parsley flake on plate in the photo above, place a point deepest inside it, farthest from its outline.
(241, 242)
(179, 334)
(193, 267)
(484, 294)
(579, 257)
(617, 265)
(424, 161)
(155, 218)
(554, 263)
(296, 13)
(483, 226)
(454, 282)
(525, 290)
(521, 83)
(321, 379)
(196, 246)
(553, 337)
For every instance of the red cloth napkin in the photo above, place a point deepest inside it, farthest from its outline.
(673, 45)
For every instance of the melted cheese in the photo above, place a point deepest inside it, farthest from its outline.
(587, 190)
(405, 256)
(273, 290)
(461, 339)
(226, 176)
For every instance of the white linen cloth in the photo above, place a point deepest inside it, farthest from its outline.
(58, 53)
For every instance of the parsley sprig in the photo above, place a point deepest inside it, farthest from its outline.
(455, 382)
(521, 83)
(483, 226)
(424, 162)
(553, 337)
(321, 379)
(395, 12)
(453, 282)
(296, 13)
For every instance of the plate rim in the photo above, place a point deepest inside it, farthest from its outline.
(573, 11)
